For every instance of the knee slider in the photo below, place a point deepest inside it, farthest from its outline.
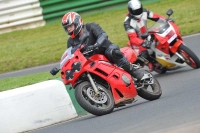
(117, 53)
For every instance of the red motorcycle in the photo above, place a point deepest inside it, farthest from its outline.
(101, 86)
(167, 50)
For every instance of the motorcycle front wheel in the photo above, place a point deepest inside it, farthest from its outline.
(97, 104)
(149, 88)
(190, 58)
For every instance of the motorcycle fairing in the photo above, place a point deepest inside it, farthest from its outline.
(176, 29)
(167, 36)
(113, 75)
(66, 56)
(170, 62)
(102, 68)
(120, 90)
(129, 53)
(174, 48)
(67, 67)
(168, 40)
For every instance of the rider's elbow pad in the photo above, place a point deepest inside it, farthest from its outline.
(101, 40)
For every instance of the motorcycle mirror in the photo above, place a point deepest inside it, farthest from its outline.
(145, 35)
(169, 12)
(54, 71)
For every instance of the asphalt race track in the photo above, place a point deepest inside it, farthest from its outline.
(178, 109)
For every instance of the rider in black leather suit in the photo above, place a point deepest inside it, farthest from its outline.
(96, 39)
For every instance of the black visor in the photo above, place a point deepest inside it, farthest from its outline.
(136, 12)
(65, 26)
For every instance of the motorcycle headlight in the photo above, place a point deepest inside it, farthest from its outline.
(126, 80)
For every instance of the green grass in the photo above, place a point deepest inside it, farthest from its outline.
(12, 83)
(44, 45)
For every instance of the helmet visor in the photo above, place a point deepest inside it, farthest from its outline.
(136, 12)
(66, 27)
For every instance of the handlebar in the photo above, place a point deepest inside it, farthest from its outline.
(86, 52)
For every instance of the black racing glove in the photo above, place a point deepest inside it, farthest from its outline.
(90, 48)
(146, 44)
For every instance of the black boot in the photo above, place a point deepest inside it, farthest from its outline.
(145, 55)
(153, 64)
(136, 73)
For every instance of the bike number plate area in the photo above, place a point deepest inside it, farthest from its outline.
(171, 36)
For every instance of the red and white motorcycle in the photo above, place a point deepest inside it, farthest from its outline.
(167, 47)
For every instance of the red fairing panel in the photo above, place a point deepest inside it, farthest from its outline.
(118, 86)
(68, 66)
(129, 53)
(174, 48)
(177, 31)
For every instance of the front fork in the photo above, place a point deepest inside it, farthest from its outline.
(180, 56)
(175, 47)
(92, 83)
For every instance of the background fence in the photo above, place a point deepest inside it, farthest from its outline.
(25, 14)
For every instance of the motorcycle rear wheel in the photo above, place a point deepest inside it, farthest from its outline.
(152, 91)
(190, 58)
(95, 104)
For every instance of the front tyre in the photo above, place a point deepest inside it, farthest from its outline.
(190, 58)
(149, 88)
(100, 104)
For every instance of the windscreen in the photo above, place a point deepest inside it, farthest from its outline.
(66, 56)
(159, 27)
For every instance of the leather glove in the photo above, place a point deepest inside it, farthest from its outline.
(170, 19)
(90, 48)
(146, 44)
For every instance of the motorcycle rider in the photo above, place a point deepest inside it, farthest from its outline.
(97, 39)
(135, 25)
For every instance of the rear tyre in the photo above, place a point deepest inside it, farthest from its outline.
(100, 104)
(190, 58)
(150, 91)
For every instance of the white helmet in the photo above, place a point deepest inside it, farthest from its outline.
(135, 9)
